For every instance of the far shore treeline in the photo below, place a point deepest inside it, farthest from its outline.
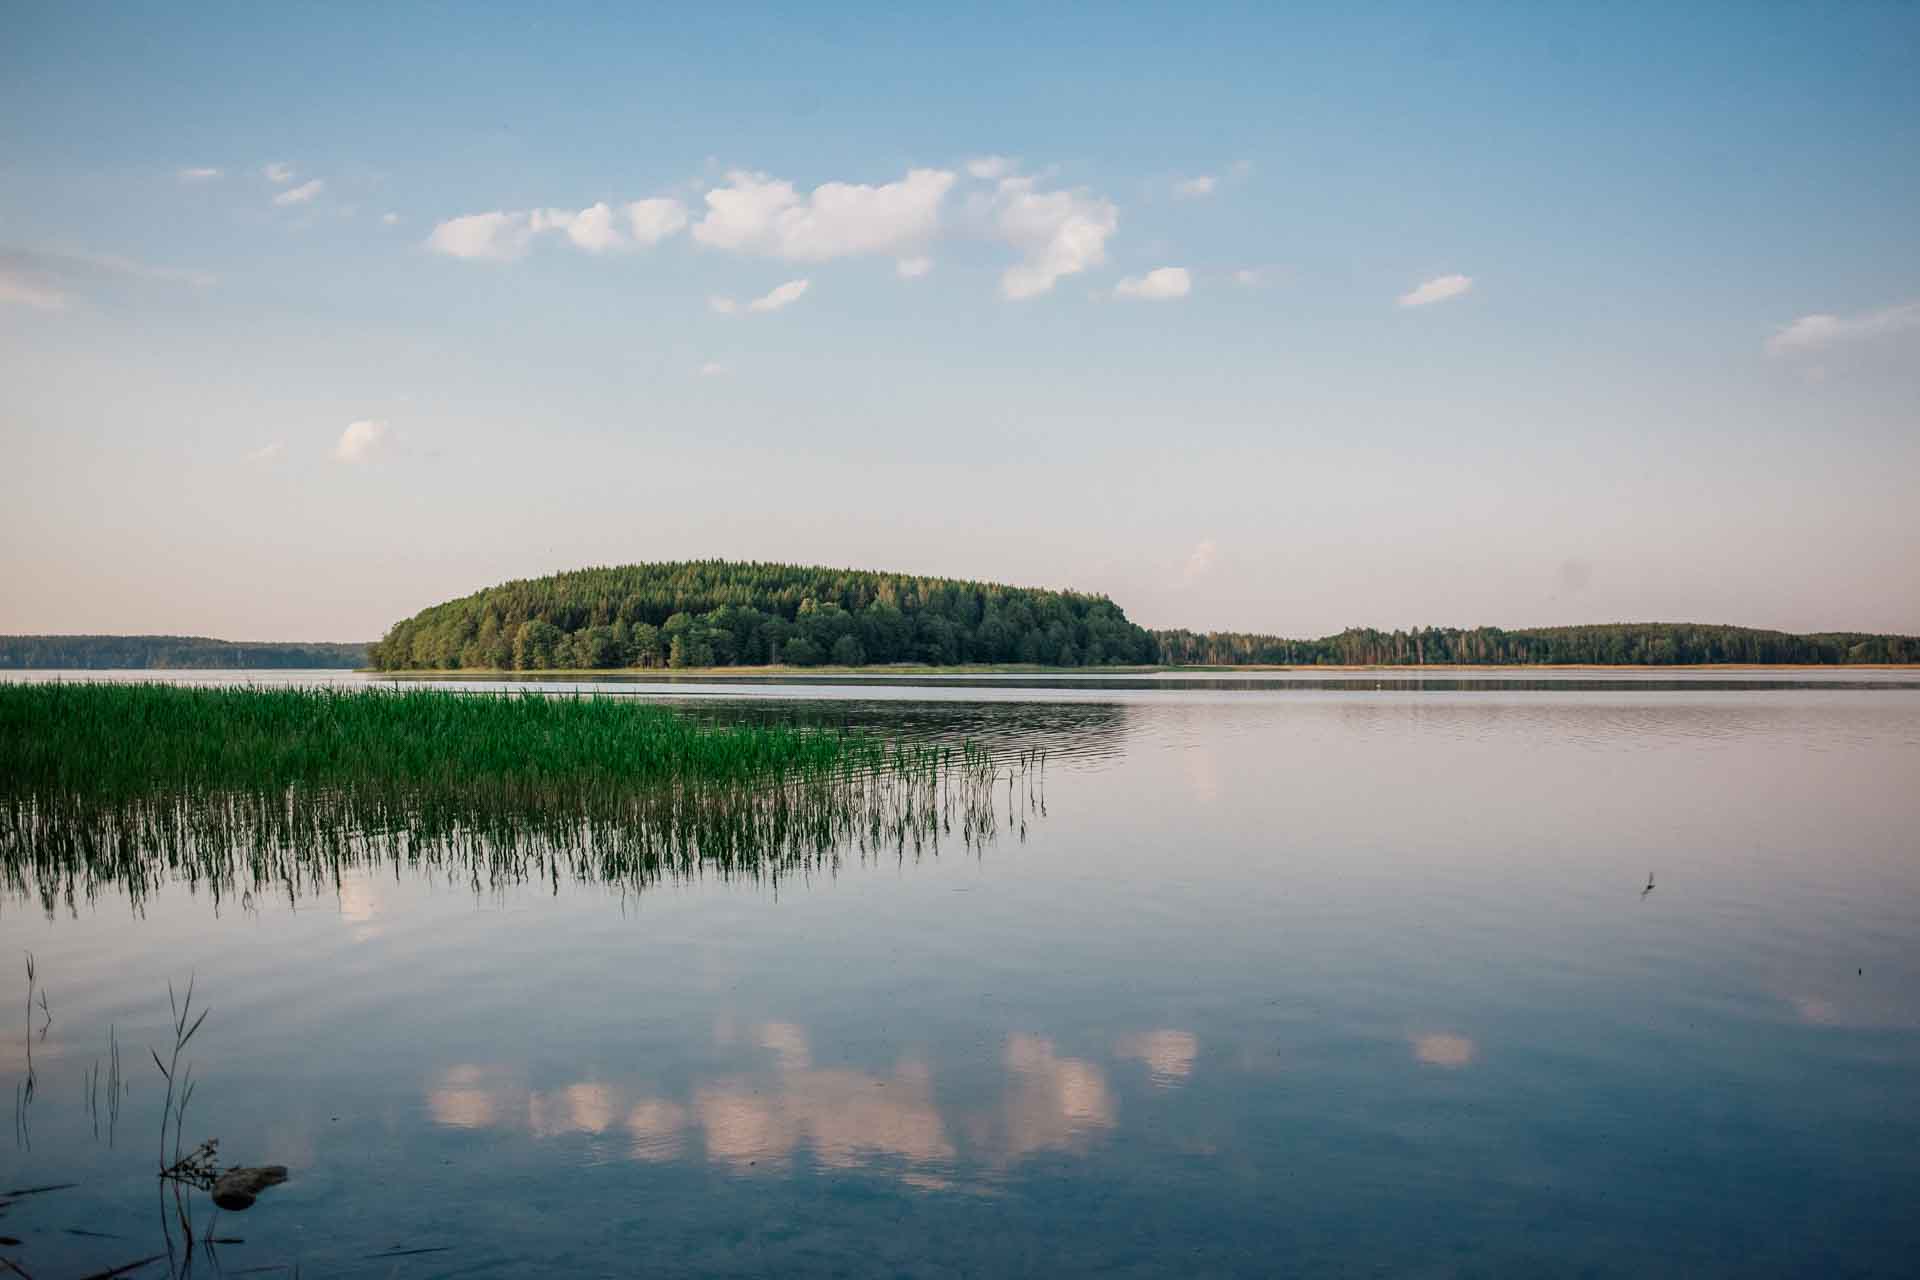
(1657, 644)
(159, 653)
(717, 613)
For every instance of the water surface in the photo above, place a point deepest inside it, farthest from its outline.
(1315, 975)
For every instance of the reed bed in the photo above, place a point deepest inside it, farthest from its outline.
(249, 791)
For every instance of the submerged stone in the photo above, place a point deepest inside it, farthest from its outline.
(237, 1188)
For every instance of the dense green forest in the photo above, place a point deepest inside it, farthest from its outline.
(99, 653)
(720, 613)
(1631, 644)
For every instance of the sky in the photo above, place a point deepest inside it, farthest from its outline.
(1263, 318)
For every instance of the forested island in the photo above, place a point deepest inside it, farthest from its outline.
(716, 613)
(103, 653)
(1654, 644)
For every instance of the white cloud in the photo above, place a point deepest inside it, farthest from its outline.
(390, 219)
(712, 369)
(1812, 332)
(25, 292)
(359, 441)
(197, 175)
(1249, 277)
(267, 452)
(591, 229)
(1194, 188)
(755, 213)
(301, 194)
(783, 296)
(652, 221)
(1436, 290)
(1060, 233)
(1200, 560)
(487, 237)
(502, 236)
(1157, 285)
(989, 168)
(278, 174)
(912, 268)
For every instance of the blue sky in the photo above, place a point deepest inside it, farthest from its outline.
(1252, 319)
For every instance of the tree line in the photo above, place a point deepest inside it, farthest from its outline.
(99, 653)
(723, 613)
(1618, 644)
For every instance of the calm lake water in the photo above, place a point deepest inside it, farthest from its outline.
(1291, 976)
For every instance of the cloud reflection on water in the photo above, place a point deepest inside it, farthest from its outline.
(658, 1129)
(1444, 1050)
(760, 1119)
(1169, 1054)
(846, 1118)
(1054, 1103)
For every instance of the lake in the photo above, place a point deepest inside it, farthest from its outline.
(1509, 973)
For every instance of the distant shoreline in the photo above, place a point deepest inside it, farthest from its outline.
(1013, 669)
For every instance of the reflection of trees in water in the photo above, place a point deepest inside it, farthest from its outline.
(1063, 730)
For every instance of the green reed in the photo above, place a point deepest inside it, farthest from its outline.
(248, 791)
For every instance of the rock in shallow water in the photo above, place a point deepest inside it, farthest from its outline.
(237, 1188)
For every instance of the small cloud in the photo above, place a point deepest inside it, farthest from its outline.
(1158, 285)
(390, 219)
(1436, 290)
(278, 174)
(712, 369)
(1195, 188)
(783, 296)
(1200, 560)
(359, 441)
(488, 237)
(22, 291)
(197, 175)
(912, 268)
(267, 452)
(301, 194)
(989, 168)
(1812, 332)
(1058, 233)
(1241, 168)
(1249, 277)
